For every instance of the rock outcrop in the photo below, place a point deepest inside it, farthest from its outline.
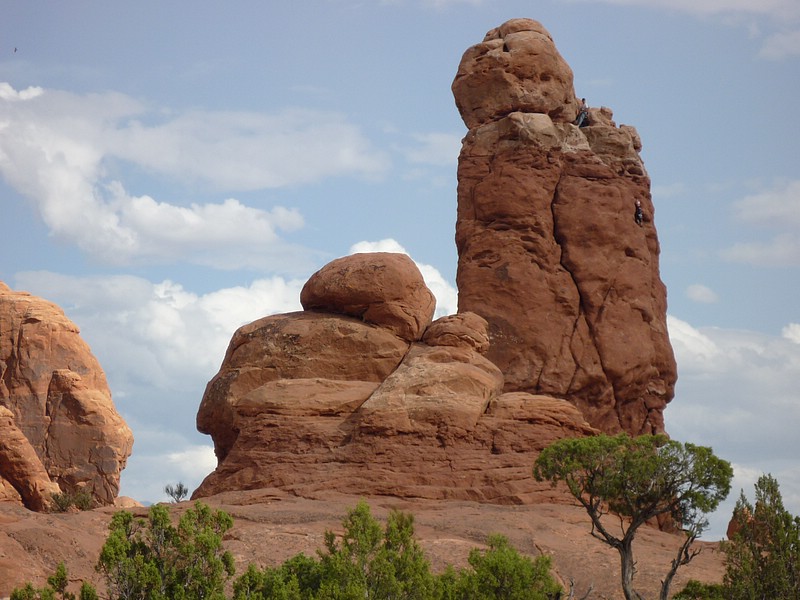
(59, 430)
(549, 252)
(366, 398)
(561, 328)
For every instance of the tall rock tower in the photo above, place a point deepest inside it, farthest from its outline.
(549, 251)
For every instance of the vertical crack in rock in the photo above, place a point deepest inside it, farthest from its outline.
(564, 321)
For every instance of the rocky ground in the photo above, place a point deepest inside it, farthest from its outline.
(270, 526)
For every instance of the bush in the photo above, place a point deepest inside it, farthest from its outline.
(696, 590)
(152, 559)
(176, 492)
(372, 562)
(82, 500)
(56, 589)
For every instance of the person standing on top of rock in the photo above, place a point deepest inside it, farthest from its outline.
(582, 113)
(638, 215)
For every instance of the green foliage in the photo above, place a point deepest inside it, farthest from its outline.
(639, 478)
(502, 573)
(696, 590)
(372, 562)
(763, 558)
(56, 589)
(177, 492)
(153, 560)
(81, 500)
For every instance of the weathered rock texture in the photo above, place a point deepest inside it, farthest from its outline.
(549, 252)
(366, 398)
(59, 430)
(561, 327)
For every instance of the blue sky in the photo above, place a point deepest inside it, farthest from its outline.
(170, 171)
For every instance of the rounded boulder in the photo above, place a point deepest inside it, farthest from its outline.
(382, 288)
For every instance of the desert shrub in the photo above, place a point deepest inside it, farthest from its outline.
(62, 502)
(154, 560)
(177, 492)
(696, 590)
(56, 589)
(372, 562)
(502, 573)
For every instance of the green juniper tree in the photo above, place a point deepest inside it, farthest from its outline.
(154, 560)
(638, 479)
(763, 556)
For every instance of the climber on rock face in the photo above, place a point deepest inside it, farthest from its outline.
(638, 215)
(583, 112)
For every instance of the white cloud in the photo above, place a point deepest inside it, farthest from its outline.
(193, 462)
(781, 14)
(737, 392)
(62, 150)
(437, 149)
(701, 293)
(9, 93)
(159, 332)
(777, 209)
(782, 251)
(446, 295)
(249, 151)
(792, 332)
(781, 45)
(778, 9)
(668, 191)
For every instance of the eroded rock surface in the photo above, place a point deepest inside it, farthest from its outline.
(549, 252)
(315, 401)
(59, 429)
(561, 328)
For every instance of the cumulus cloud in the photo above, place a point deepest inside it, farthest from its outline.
(781, 45)
(755, 15)
(65, 152)
(701, 293)
(436, 149)
(776, 209)
(159, 332)
(792, 332)
(778, 9)
(445, 293)
(737, 392)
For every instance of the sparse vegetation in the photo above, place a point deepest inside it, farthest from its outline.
(150, 559)
(639, 479)
(177, 492)
(696, 590)
(372, 562)
(62, 502)
(56, 589)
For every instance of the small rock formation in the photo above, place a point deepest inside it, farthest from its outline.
(549, 252)
(59, 430)
(366, 398)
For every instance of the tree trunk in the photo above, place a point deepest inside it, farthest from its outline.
(628, 569)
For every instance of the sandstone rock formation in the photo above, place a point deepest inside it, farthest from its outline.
(561, 328)
(314, 400)
(549, 252)
(59, 430)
